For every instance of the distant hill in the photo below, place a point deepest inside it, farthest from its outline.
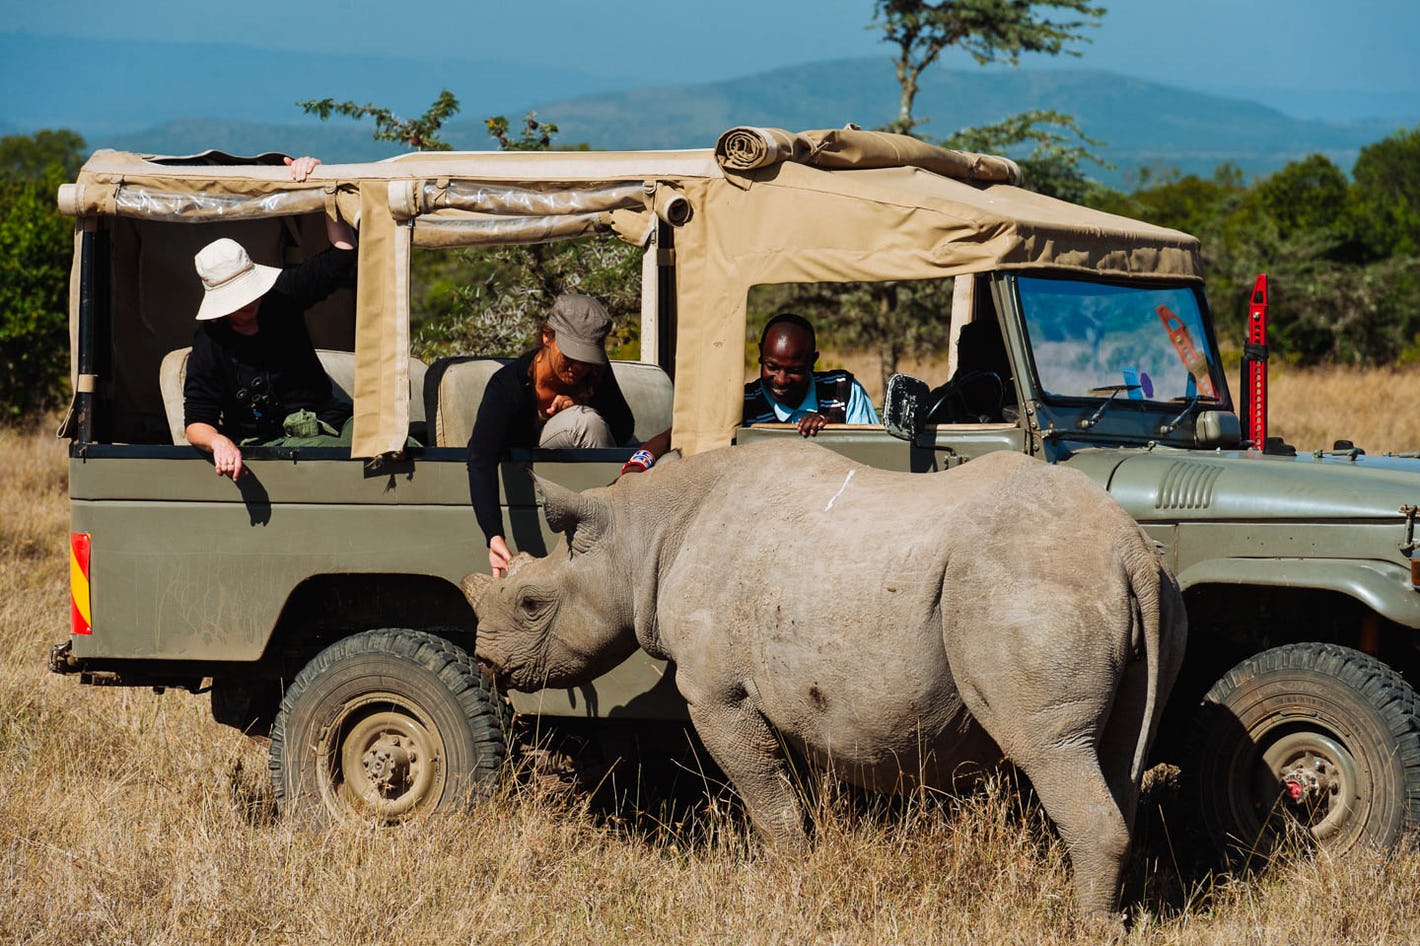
(1143, 124)
(242, 100)
(106, 87)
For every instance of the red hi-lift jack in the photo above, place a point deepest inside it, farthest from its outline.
(1254, 366)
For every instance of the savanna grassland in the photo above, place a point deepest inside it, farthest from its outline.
(130, 817)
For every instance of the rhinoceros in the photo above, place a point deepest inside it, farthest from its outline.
(900, 628)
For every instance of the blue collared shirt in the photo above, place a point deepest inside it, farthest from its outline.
(859, 409)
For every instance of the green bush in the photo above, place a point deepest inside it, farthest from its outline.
(36, 245)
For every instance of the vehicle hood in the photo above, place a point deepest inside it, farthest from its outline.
(1165, 484)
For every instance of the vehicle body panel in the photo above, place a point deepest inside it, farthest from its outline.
(189, 569)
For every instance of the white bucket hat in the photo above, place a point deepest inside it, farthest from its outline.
(230, 278)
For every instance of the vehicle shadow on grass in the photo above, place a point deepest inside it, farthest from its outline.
(658, 784)
(654, 781)
(251, 794)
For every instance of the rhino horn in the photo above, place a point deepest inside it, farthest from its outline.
(582, 518)
(474, 587)
(518, 561)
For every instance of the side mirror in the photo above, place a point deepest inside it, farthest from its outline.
(1217, 429)
(904, 406)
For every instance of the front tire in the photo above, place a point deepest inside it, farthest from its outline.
(1311, 736)
(386, 725)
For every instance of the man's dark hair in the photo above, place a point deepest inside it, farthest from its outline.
(792, 319)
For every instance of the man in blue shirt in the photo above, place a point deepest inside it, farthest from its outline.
(790, 391)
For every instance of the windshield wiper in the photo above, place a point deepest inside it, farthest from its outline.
(1111, 389)
(1193, 401)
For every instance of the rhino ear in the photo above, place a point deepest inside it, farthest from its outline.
(580, 517)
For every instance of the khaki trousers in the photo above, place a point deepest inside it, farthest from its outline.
(576, 426)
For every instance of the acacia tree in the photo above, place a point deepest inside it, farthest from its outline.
(1055, 164)
(421, 132)
(894, 319)
(989, 30)
(534, 136)
(491, 300)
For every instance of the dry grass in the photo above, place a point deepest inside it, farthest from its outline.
(129, 817)
(1314, 407)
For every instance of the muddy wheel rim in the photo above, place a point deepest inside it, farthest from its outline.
(1310, 778)
(381, 758)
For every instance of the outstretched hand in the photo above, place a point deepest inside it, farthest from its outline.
(302, 167)
(227, 458)
(811, 423)
(498, 556)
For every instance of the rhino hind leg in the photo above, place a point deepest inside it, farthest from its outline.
(1085, 811)
(749, 751)
(1055, 741)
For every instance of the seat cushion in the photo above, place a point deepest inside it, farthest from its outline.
(339, 365)
(454, 390)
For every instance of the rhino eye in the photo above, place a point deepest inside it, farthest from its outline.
(533, 605)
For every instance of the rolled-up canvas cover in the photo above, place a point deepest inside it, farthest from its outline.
(746, 148)
(764, 206)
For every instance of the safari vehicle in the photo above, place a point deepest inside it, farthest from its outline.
(318, 598)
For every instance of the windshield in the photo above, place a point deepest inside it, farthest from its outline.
(1145, 343)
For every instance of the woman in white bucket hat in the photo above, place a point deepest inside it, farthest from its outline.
(253, 375)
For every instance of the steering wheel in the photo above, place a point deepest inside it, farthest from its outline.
(975, 397)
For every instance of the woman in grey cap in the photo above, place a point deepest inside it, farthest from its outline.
(560, 394)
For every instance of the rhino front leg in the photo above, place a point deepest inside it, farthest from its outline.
(749, 751)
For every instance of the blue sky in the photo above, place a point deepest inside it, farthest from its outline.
(1312, 58)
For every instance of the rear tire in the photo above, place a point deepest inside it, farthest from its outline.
(386, 725)
(1311, 736)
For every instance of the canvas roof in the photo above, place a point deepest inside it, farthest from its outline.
(766, 206)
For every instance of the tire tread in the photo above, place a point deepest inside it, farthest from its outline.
(1385, 690)
(486, 712)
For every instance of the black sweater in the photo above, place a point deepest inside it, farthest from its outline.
(507, 418)
(245, 385)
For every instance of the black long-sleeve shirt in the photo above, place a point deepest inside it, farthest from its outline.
(507, 417)
(245, 385)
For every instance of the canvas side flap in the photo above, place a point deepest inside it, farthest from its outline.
(381, 392)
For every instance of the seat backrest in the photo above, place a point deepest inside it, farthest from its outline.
(339, 365)
(648, 391)
(454, 390)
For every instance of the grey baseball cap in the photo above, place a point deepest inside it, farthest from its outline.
(580, 324)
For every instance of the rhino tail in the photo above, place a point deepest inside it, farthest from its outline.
(1145, 574)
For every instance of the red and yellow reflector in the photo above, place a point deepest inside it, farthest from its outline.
(81, 621)
(1415, 571)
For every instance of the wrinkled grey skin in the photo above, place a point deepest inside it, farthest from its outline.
(902, 628)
